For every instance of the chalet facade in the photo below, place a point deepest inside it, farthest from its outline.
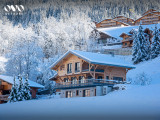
(83, 74)
(149, 18)
(6, 83)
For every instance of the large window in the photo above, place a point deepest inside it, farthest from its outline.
(86, 93)
(66, 80)
(99, 77)
(81, 79)
(118, 78)
(73, 80)
(77, 67)
(107, 77)
(68, 94)
(77, 92)
(69, 68)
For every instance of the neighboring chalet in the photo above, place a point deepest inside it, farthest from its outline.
(110, 23)
(149, 17)
(6, 83)
(123, 19)
(83, 74)
(128, 37)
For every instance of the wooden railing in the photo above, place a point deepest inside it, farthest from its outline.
(86, 83)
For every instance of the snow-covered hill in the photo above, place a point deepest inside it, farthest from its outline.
(151, 68)
(135, 100)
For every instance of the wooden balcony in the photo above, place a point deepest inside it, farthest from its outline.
(86, 83)
(97, 70)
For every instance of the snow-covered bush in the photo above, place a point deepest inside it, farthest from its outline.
(142, 79)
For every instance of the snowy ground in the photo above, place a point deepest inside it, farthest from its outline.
(135, 100)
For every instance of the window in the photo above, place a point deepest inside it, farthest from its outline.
(68, 94)
(125, 43)
(81, 79)
(65, 79)
(90, 77)
(77, 67)
(107, 77)
(69, 68)
(99, 77)
(118, 78)
(73, 80)
(77, 92)
(86, 93)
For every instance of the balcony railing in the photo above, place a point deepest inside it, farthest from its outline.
(97, 70)
(86, 83)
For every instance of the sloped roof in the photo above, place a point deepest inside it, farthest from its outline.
(9, 79)
(96, 58)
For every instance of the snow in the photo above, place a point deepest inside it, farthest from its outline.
(96, 58)
(150, 67)
(136, 100)
(117, 31)
(9, 79)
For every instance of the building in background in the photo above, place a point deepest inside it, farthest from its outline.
(149, 17)
(6, 83)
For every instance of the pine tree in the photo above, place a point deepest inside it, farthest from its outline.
(141, 46)
(155, 47)
(14, 92)
(27, 95)
(20, 89)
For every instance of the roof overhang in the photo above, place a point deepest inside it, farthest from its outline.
(87, 60)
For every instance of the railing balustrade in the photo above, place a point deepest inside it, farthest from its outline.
(87, 82)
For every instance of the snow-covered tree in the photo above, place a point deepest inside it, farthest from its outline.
(14, 91)
(141, 46)
(26, 89)
(20, 95)
(155, 46)
(135, 47)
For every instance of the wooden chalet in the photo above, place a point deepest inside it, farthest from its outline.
(128, 37)
(6, 83)
(124, 20)
(82, 74)
(149, 17)
(110, 23)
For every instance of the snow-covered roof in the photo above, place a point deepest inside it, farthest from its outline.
(9, 79)
(117, 31)
(96, 58)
